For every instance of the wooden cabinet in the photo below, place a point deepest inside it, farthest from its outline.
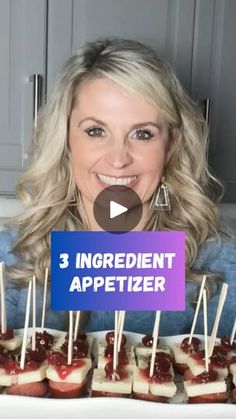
(23, 53)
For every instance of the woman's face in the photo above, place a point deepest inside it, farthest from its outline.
(116, 138)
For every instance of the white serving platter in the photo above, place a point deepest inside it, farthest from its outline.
(110, 408)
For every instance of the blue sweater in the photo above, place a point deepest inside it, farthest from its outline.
(213, 257)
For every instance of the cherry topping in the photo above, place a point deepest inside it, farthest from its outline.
(39, 355)
(225, 342)
(110, 337)
(147, 341)
(161, 364)
(9, 334)
(161, 370)
(114, 375)
(192, 347)
(219, 360)
(80, 348)
(205, 377)
(122, 355)
(44, 339)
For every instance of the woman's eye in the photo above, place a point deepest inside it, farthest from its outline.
(142, 134)
(95, 131)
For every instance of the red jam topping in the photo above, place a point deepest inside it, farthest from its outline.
(190, 347)
(123, 358)
(56, 358)
(9, 334)
(59, 362)
(147, 341)
(11, 367)
(110, 337)
(161, 363)
(114, 375)
(44, 339)
(39, 355)
(31, 366)
(80, 348)
(161, 370)
(163, 377)
(225, 342)
(205, 377)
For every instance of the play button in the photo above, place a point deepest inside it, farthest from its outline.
(117, 209)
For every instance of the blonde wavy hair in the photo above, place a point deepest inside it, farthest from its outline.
(48, 187)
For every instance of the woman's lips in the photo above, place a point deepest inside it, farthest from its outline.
(116, 181)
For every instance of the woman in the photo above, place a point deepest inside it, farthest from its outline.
(118, 115)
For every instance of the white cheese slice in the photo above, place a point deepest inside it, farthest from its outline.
(142, 385)
(76, 376)
(194, 389)
(195, 366)
(222, 373)
(32, 376)
(234, 379)
(12, 344)
(22, 378)
(164, 389)
(232, 368)
(6, 379)
(147, 350)
(230, 354)
(179, 355)
(101, 383)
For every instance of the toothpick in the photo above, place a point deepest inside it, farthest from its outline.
(205, 330)
(77, 319)
(155, 338)
(115, 346)
(233, 332)
(34, 313)
(70, 339)
(27, 315)
(217, 317)
(197, 310)
(3, 300)
(44, 298)
(121, 328)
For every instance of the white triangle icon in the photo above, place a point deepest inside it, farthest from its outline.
(116, 209)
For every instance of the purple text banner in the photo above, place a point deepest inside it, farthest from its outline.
(131, 271)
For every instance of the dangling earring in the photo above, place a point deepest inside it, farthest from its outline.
(161, 200)
(73, 202)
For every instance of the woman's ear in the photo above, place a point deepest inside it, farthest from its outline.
(173, 142)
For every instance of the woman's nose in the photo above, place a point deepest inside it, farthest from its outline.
(119, 156)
